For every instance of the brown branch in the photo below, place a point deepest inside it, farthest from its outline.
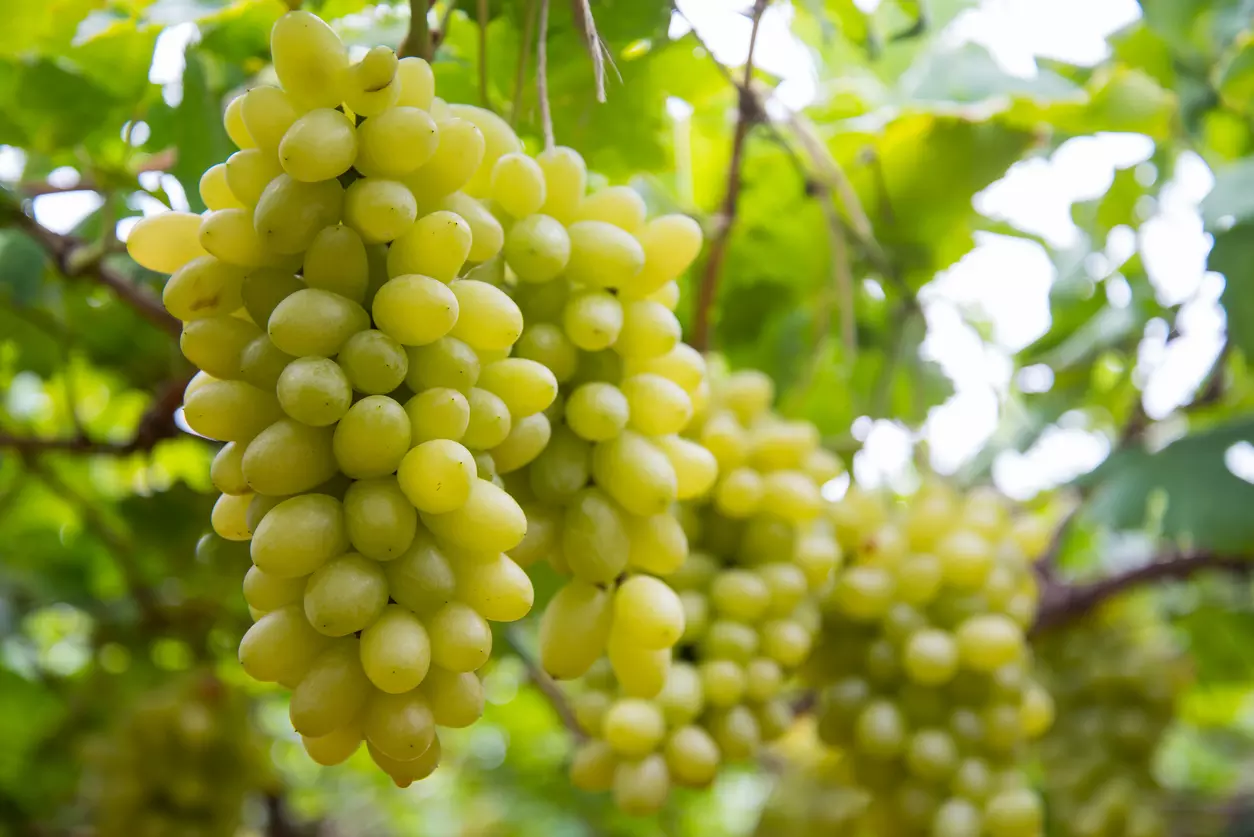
(418, 40)
(548, 687)
(65, 252)
(542, 76)
(1062, 602)
(748, 112)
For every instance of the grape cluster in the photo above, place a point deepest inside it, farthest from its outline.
(925, 677)
(360, 375)
(1115, 680)
(181, 761)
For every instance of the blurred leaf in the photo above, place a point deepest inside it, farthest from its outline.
(1231, 201)
(968, 75)
(1233, 256)
(195, 127)
(22, 264)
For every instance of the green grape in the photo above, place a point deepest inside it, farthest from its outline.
(919, 578)
(736, 732)
(594, 537)
(636, 473)
(289, 457)
(487, 235)
(436, 476)
(988, 641)
(455, 698)
(597, 411)
(648, 613)
(314, 391)
(233, 121)
(438, 413)
(670, 243)
(290, 213)
(379, 210)
(461, 639)
(215, 192)
(490, 521)
(488, 422)
(489, 320)
(931, 657)
(723, 681)
(396, 141)
(230, 517)
(499, 139)
(593, 766)
(931, 755)
(422, 578)
(417, 83)
(589, 709)
(372, 438)
(458, 155)
(268, 592)
(372, 86)
(561, 469)
(864, 593)
(167, 242)
(966, 560)
(498, 589)
(683, 365)
(525, 386)
(957, 817)
(448, 362)
(215, 344)
(1036, 711)
(229, 234)
(332, 692)
(880, 731)
(656, 543)
(396, 651)
(565, 179)
(763, 680)
(727, 640)
(681, 699)
(790, 495)
(399, 726)
(309, 60)
(405, 773)
(248, 173)
(315, 323)
(620, 206)
(518, 184)
(321, 145)
(335, 260)
(230, 411)
(267, 113)
(436, 245)
(574, 629)
(633, 727)
(1014, 813)
(546, 344)
(649, 330)
(381, 521)
(641, 672)
(972, 779)
(786, 641)
(226, 472)
(723, 436)
(299, 535)
(416, 310)
(740, 594)
(692, 757)
(543, 531)
(335, 747)
(641, 787)
(527, 438)
(739, 493)
(657, 406)
(593, 320)
(203, 287)
(786, 585)
(263, 288)
(280, 646)
(374, 363)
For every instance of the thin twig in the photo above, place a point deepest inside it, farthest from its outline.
(842, 271)
(483, 54)
(418, 40)
(1062, 603)
(520, 72)
(582, 13)
(548, 687)
(542, 76)
(748, 113)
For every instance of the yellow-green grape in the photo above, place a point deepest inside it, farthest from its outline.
(649, 330)
(455, 698)
(230, 411)
(421, 579)
(636, 473)
(919, 578)
(336, 261)
(957, 817)
(499, 139)
(268, 592)
(314, 391)
(692, 757)
(289, 457)
(437, 245)
(415, 310)
(648, 613)
(299, 535)
(204, 287)
(226, 473)
(490, 521)
(345, 595)
(543, 531)
(597, 411)
(332, 692)
(565, 179)
(527, 439)
(657, 405)
(593, 765)
(670, 243)
(400, 726)
(230, 235)
(233, 121)
(262, 290)
(498, 589)
(290, 213)
(487, 235)
(461, 639)
(417, 83)
(396, 141)
(602, 255)
(683, 364)
(864, 593)
(249, 172)
(790, 495)
(594, 537)
(315, 323)
(374, 363)
(372, 438)
(786, 641)
(448, 362)
(590, 708)
(641, 787)
(695, 467)
(574, 629)
(379, 210)
(657, 543)
(380, 519)
(1014, 813)
(593, 320)
(216, 344)
(681, 699)
(526, 387)
(931, 754)
(334, 748)
(621, 206)
(396, 651)
(562, 469)
(215, 192)
(267, 113)
(488, 320)
(931, 657)
(372, 87)
(166, 242)
(309, 60)
(633, 727)
(321, 145)
(458, 155)
(989, 641)
(667, 296)
(537, 248)
(740, 594)
(437, 413)
(880, 731)
(437, 476)
(966, 559)
(489, 423)
(280, 646)
(405, 773)
(518, 184)
(1036, 711)
(230, 517)
(641, 672)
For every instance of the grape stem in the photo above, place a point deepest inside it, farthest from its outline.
(749, 112)
(1064, 602)
(542, 76)
(417, 41)
(548, 687)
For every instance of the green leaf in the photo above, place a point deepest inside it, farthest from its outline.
(1231, 201)
(1233, 256)
(1202, 503)
(969, 75)
(194, 127)
(22, 264)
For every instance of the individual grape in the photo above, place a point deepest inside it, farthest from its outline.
(215, 192)
(633, 727)
(229, 517)
(332, 692)
(565, 179)
(594, 537)
(574, 629)
(602, 255)
(459, 153)
(498, 589)
(267, 113)
(436, 245)
(499, 139)
(336, 261)
(648, 330)
(648, 613)
(422, 578)
(966, 560)
(641, 672)
(372, 438)
(345, 595)
(374, 363)
(448, 363)
(280, 646)
(620, 206)
(593, 320)
(455, 698)
(537, 248)
(695, 467)
(309, 60)
(790, 495)
(248, 173)
(314, 391)
(299, 535)
(931, 755)
(593, 766)
(405, 773)
(880, 731)
(396, 141)
(488, 320)
(988, 641)
(268, 592)
(233, 121)
(597, 411)
(527, 439)
(290, 214)
(461, 639)
(416, 310)
(231, 411)
(399, 725)
(379, 210)
(741, 595)
(517, 184)
(438, 413)
(683, 365)
(167, 242)
(723, 681)
(436, 476)
(216, 344)
(226, 472)
(641, 787)
(931, 657)
(315, 323)
(372, 87)
(635, 473)
(692, 757)
(670, 244)
(657, 406)
(334, 748)
(490, 521)
(396, 651)
(487, 235)
(417, 83)
(658, 544)
(526, 387)
(957, 817)
(381, 521)
(230, 235)
(288, 457)
(489, 420)
(263, 288)
(203, 287)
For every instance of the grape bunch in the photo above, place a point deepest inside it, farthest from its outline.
(1116, 680)
(360, 376)
(181, 761)
(759, 551)
(925, 680)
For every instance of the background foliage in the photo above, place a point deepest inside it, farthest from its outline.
(849, 210)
